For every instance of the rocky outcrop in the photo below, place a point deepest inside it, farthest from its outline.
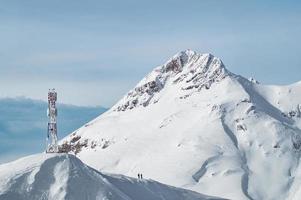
(191, 70)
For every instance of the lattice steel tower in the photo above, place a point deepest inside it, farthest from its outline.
(52, 146)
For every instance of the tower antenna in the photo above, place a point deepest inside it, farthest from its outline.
(52, 146)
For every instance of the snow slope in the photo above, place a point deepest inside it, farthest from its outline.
(193, 124)
(63, 176)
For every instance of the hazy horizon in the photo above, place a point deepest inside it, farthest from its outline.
(23, 125)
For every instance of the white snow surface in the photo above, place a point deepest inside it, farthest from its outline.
(65, 177)
(193, 124)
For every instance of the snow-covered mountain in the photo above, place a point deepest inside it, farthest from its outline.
(193, 124)
(65, 177)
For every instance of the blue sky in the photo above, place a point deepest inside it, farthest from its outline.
(94, 51)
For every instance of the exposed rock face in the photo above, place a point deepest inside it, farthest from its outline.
(253, 80)
(187, 68)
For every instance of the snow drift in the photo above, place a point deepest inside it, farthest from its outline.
(63, 177)
(191, 123)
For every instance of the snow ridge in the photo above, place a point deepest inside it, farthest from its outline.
(64, 177)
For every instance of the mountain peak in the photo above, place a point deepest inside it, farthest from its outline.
(189, 59)
(188, 68)
(183, 56)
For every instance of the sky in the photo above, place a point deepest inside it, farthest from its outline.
(94, 51)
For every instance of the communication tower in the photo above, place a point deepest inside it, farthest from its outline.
(52, 146)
